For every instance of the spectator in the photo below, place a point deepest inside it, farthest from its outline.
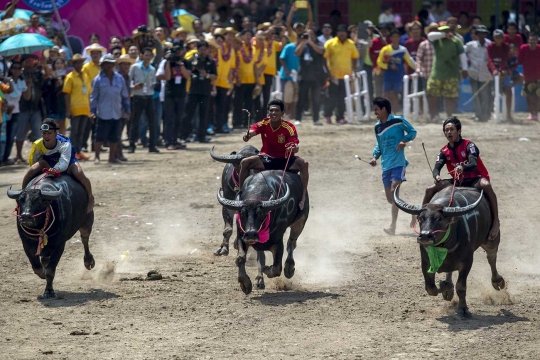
(245, 80)
(116, 52)
(453, 23)
(391, 60)
(512, 36)
(11, 6)
(55, 104)
(424, 58)
(226, 67)
(115, 41)
(298, 28)
(439, 11)
(108, 98)
(58, 40)
(275, 41)
(180, 34)
(376, 46)
(406, 35)
(30, 114)
(386, 15)
(198, 29)
(34, 26)
(254, 12)
(327, 33)
(503, 62)
(143, 79)
(20, 89)
(210, 16)
(4, 119)
(290, 65)
(463, 21)
(476, 20)
(413, 43)
(259, 49)
(127, 41)
(311, 75)
(444, 78)
(133, 53)
(364, 53)
(528, 57)
(203, 76)
(124, 64)
(168, 8)
(94, 39)
(341, 55)
(479, 74)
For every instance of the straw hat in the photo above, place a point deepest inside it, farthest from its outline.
(229, 30)
(95, 47)
(191, 39)
(264, 26)
(77, 58)
(218, 31)
(179, 31)
(47, 51)
(125, 59)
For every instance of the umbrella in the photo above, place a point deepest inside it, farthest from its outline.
(12, 26)
(184, 18)
(20, 14)
(24, 44)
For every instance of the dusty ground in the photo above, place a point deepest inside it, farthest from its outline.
(356, 293)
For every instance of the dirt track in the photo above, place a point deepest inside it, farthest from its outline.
(357, 293)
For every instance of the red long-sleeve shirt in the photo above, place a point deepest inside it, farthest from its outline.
(529, 59)
(517, 40)
(497, 56)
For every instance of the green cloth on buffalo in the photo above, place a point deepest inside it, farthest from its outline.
(437, 254)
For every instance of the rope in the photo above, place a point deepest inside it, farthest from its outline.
(41, 234)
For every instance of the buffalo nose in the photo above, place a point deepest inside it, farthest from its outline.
(425, 237)
(252, 235)
(25, 218)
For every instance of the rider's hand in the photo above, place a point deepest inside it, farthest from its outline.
(438, 178)
(459, 170)
(373, 162)
(246, 137)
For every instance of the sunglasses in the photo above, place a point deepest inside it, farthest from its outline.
(47, 127)
(117, 54)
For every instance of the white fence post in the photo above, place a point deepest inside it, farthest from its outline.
(277, 93)
(416, 100)
(348, 99)
(365, 95)
(406, 100)
(497, 100)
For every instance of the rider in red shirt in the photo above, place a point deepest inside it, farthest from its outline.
(280, 139)
(462, 159)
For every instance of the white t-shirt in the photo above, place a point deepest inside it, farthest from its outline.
(386, 18)
(14, 97)
(322, 39)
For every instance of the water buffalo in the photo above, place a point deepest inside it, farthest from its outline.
(262, 220)
(50, 211)
(457, 231)
(229, 184)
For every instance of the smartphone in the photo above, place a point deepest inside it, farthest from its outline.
(301, 4)
(362, 31)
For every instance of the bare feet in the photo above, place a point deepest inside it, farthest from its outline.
(390, 231)
(90, 204)
(494, 230)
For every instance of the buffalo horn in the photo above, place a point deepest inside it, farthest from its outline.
(459, 211)
(234, 205)
(409, 209)
(230, 159)
(50, 195)
(13, 194)
(274, 204)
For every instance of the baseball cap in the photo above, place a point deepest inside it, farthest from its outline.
(497, 32)
(483, 29)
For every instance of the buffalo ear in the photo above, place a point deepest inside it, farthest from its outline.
(13, 194)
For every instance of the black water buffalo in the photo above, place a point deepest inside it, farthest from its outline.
(50, 212)
(229, 184)
(262, 220)
(460, 229)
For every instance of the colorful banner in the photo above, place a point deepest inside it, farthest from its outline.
(80, 18)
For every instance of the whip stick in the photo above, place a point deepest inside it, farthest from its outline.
(248, 122)
(425, 153)
(359, 158)
(478, 91)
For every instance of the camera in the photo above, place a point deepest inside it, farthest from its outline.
(304, 36)
(143, 29)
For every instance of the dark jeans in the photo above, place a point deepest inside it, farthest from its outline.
(193, 101)
(335, 99)
(174, 111)
(89, 126)
(307, 87)
(11, 130)
(222, 107)
(267, 91)
(142, 104)
(79, 124)
(242, 100)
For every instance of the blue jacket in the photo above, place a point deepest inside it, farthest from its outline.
(389, 135)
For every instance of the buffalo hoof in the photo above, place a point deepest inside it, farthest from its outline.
(245, 284)
(222, 252)
(89, 262)
(464, 313)
(288, 271)
(49, 294)
(260, 283)
(447, 290)
(271, 271)
(498, 284)
(39, 272)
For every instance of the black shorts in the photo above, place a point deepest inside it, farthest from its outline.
(107, 130)
(469, 182)
(271, 163)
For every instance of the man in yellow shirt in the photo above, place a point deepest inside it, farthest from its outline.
(275, 40)
(91, 69)
(77, 89)
(226, 67)
(341, 58)
(246, 77)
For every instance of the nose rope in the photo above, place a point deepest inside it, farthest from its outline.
(41, 234)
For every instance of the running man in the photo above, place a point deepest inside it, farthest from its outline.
(279, 140)
(462, 159)
(392, 134)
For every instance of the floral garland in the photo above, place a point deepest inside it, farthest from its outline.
(270, 47)
(247, 58)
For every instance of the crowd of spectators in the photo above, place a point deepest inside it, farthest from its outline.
(167, 86)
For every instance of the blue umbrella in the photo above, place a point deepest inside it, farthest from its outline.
(21, 14)
(24, 44)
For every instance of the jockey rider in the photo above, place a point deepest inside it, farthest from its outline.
(55, 152)
(462, 159)
(280, 140)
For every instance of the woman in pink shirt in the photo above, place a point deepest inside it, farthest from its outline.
(34, 26)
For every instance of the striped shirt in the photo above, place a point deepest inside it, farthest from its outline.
(424, 58)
